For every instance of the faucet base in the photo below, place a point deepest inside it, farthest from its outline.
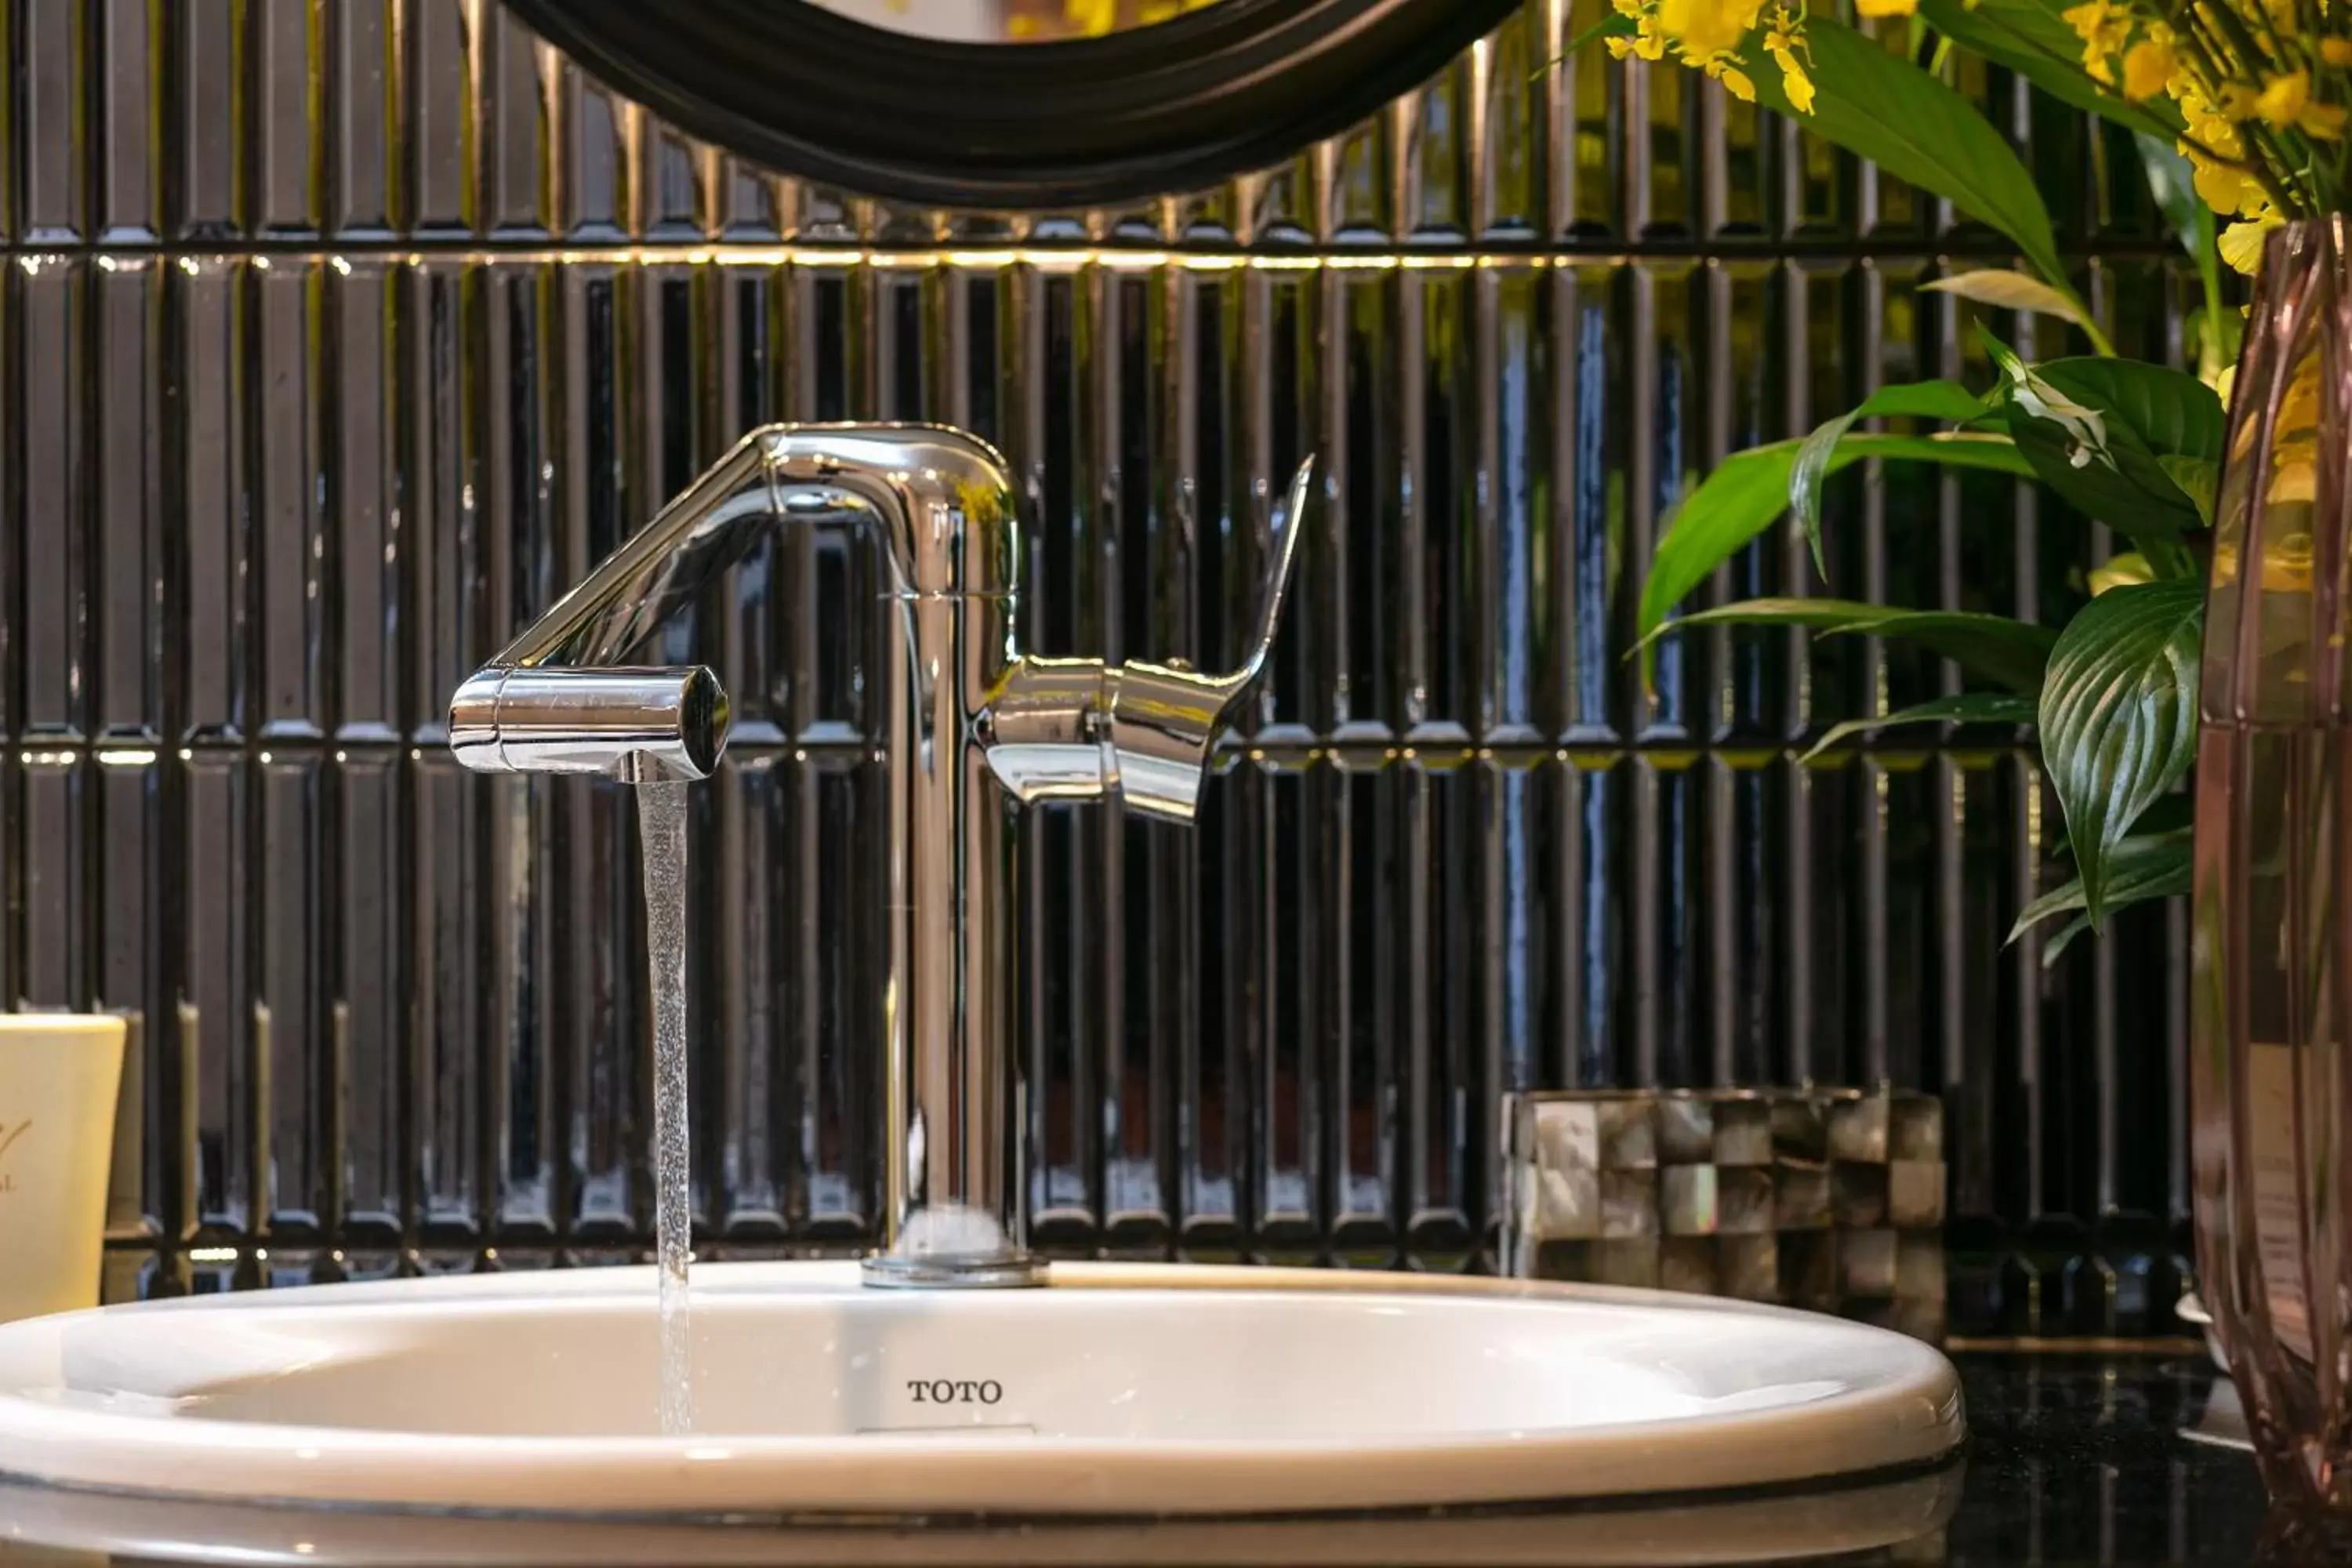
(946, 1271)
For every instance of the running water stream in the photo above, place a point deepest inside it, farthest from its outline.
(661, 825)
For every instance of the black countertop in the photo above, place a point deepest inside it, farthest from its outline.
(2074, 1457)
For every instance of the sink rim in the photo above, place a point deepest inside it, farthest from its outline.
(1910, 1416)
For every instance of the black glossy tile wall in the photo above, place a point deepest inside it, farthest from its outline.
(341, 335)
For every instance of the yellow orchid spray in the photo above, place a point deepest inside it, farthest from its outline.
(1708, 35)
(2255, 93)
(2260, 88)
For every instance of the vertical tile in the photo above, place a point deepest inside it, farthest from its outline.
(1593, 875)
(449, 1074)
(1660, 949)
(602, 1047)
(53, 811)
(130, 976)
(1514, 969)
(1513, 452)
(295, 1059)
(210, 61)
(1445, 555)
(51, 322)
(753, 1095)
(594, 127)
(1360, 177)
(1368, 1010)
(1510, 157)
(747, 335)
(365, 520)
(1589, 432)
(1440, 138)
(1447, 1070)
(365, 1024)
(129, 483)
(53, 140)
(680, 186)
(536, 980)
(442, 90)
(1588, 103)
(362, 125)
(286, 106)
(290, 568)
(127, 78)
(1298, 837)
(833, 1029)
(1217, 1098)
(221, 1072)
(751, 201)
(209, 303)
(1369, 452)
(1664, 369)
(1299, 201)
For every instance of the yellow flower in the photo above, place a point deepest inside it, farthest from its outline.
(2224, 187)
(2286, 103)
(2148, 66)
(2242, 243)
(1794, 81)
(1705, 29)
(2282, 101)
(1885, 8)
(1784, 40)
(2209, 124)
(2103, 26)
(1736, 81)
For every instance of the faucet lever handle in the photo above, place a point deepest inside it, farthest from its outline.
(1165, 718)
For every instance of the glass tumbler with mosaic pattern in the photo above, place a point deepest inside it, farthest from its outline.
(2271, 1085)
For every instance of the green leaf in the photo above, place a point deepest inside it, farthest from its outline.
(1967, 708)
(2033, 41)
(2128, 566)
(2118, 715)
(2198, 477)
(2009, 290)
(2097, 430)
(2177, 810)
(2009, 653)
(1918, 399)
(2172, 413)
(1747, 489)
(2014, 653)
(1881, 107)
(2145, 866)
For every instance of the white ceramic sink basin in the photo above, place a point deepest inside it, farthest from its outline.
(1118, 1390)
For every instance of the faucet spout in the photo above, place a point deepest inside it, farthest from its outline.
(972, 728)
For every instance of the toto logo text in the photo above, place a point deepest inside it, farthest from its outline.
(10, 1132)
(952, 1391)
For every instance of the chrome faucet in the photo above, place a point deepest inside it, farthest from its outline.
(975, 728)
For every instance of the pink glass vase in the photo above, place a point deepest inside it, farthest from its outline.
(2271, 1084)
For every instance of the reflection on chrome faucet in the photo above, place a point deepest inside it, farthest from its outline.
(974, 729)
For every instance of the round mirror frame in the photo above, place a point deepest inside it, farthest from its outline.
(1173, 106)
